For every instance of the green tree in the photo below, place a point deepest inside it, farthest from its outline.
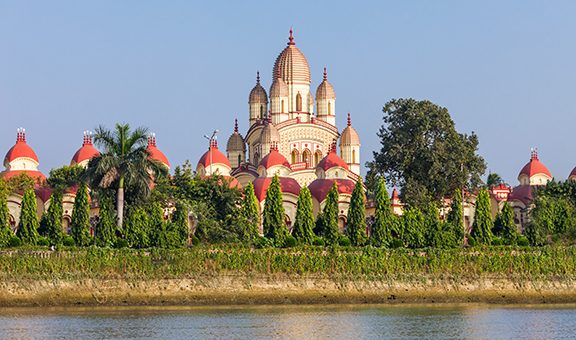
(329, 218)
(273, 221)
(494, 180)
(504, 225)
(28, 226)
(423, 153)
(384, 219)
(158, 233)
(5, 230)
(136, 230)
(250, 213)
(52, 220)
(433, 227)
(179, 224)
(304, 224)
(413, 228)
(124, 163)
(80, 225)
(356, 221)
(65, 177)
(105, 231)
(482, 227)
(456, 219)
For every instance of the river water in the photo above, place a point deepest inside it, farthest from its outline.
(292, 322)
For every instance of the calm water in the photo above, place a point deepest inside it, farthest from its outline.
(292, 322)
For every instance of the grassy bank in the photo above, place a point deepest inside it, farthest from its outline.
(243, 275)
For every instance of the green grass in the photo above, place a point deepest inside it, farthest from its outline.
(342, 263)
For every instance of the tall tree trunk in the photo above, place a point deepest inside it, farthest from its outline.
(120, 203)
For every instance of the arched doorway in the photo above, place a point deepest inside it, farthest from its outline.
(307, 157)
(317, 157)
(294, 156)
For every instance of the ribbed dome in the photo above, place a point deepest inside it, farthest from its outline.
(534, 167)
(269, 134)
(235, 142)
(86, 152)
(216, 156)
(20, 149)
(332, 160)
(258, 94)
(287, 185)
(155, 153)
(325, 89)
(349, 135)
(292, 65)
(278, 88)
(274, 158)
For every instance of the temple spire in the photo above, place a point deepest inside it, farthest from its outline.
(325, 74)
(291, 38)
(349, 120)
(236, 125)
(258, 77)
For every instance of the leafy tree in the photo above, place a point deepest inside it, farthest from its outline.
(456, 218)
(422, 152)
(125, 163)
(65, 177)
(28, 226)
(157, 226)
(384, 218)
(433, 227)
(504, 225)
(304, 224)
(136, 230)
(80, 225)
(413, 228)
(5, 230)
(20, 183)
(52, 220)
(105, 231)
(250, 214)
(328, 221)
(356, 221)
(179, 223)
(494, 180)
(273, 223)
(482, 227)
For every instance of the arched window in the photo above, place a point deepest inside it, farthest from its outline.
(256, 158)
(306, 157)
(282, 106)
(239, 159)
(354, 156)
(261, 111)
(329, 108)
(317, 157)
(298, 102)
(294, 156)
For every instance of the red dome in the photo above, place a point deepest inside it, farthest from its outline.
(287, 185)
(217, 157)
(86, 152)
(155, 153)
(274, 158)
(20, 149)
(572, 173)
(35, 174)
(332, 160)
(521, 193)
(319, 188)
(534, 167)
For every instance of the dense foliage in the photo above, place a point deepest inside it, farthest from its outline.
(80, 224)
(384, 220)
(5, 231)
(51, 223)
(304, 224)
(28, 225)
(273, 221)
(356, 220)
(327, 224)
(482, 227)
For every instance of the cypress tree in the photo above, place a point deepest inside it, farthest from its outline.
(80, 225)
(28, 226)
(304, 224)
(482, 227)
(384, 219)
(136, 228)
(413, 228)
(5, 231)
(273, 222)
(52, 219)
(158, 232)
(504, 225)
(105, 232)
(179, 226)
(251, 214)
(434, 228)
(356, 224)
(456, 219)
(329, 222)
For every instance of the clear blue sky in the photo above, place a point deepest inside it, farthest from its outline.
(504, 69)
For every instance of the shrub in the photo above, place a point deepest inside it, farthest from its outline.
(43, 241)
(318, 241)
(290, 242)
(472, 241)
(523, 241)
(195, 240)
(344, 241)
(14, 242)
(396, 243)
(68, 241)
(121, 243)
(263, 242)
(497, 241)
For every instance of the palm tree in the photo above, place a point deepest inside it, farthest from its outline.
(124, 162)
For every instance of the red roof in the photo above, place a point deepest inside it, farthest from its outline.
(217, 157)
(155, 153)
(20, 149)
(534, 167)
(572, 173)
(319, 188)
(274, 158)
(35, 174)
(287, 185)
(86, 152)
(521, 193)
(332, 160)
